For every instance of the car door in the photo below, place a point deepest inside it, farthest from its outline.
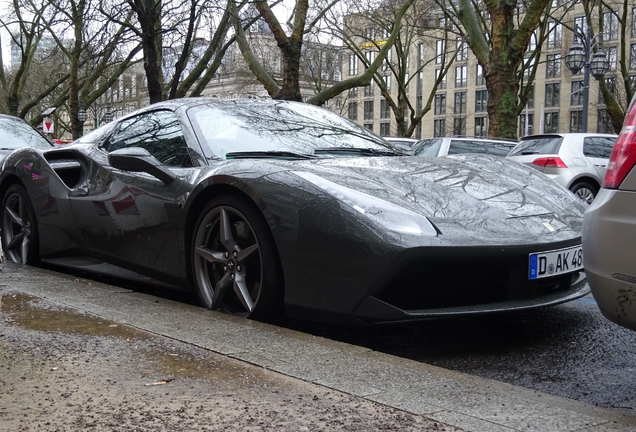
(597, 150)
(129, 218)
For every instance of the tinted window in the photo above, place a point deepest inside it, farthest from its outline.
(159, 132)
(428, 147)
(16, 133)
(539, 145)
(499, 149)
(599, 147)
(460, 146)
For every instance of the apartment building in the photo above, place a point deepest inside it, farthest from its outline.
(459, 103)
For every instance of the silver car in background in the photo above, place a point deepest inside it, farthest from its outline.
(577, 161)
(609, 232)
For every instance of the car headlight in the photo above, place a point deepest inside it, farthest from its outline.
(381, 212)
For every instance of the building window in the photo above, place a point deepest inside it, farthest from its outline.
(369, 126)
(555, 34)
(552, 94)
(353, 92)
(459, 126)
(386, 64)
(387, 83)
(481, 100)
(385, 129)
(522, 124)
(480, 127)
(461, 76)
(440, 104)
(480, 79)
(369, 33)
(553, 66)
(353, 64)
(369, 56)
(439, 127)
(611, 57)
(460, 102)
(576, 97)
(353, 111)
(368, 90)
(551, 122)
(462, 50)
(418, 103)
(420, 55)
(576, 121)
(632, 56)
(610, 25)
(528, 67)
(634, 21)
(530, 101)
(368, 110)
(385, 109)
(581, 24)
(442, 83)
(439, 51)
(604, 122)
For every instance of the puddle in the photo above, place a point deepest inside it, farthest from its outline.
(165, 360)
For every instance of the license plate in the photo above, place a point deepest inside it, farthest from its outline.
(555, 262)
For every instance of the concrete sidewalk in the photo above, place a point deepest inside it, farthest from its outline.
(461, 400)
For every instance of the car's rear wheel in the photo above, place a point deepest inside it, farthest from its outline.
(235, 264)
(19, 227)
(584, 191)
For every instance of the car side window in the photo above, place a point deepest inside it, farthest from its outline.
(159, 132)
(598, 147)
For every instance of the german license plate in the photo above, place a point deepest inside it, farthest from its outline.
(555, 262)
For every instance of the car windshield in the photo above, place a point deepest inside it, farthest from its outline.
(539, 145)
(427, 147)
(15, 133)
(266, 127)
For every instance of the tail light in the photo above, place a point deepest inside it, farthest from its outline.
(623, 156)
(550, 162)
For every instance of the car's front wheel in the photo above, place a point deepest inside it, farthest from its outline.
(235, 263)
(19, 228)
(584, 191)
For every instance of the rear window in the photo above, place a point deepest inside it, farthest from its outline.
(539, 145)
(494, 148)
(428, 147)
(459, 147)
(599, 147)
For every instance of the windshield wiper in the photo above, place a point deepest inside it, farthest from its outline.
(358, 151)
(273, 154)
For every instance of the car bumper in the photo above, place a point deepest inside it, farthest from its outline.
(609, 235)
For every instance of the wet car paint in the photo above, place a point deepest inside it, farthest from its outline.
(334, 255)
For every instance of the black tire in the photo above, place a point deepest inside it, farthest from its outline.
(238, 272)
(585, 191)
(19, 229)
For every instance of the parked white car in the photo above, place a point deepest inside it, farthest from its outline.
(577, 161)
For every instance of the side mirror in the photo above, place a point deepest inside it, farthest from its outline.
(138, 159)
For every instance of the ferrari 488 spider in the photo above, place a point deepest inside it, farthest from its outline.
(260, 205)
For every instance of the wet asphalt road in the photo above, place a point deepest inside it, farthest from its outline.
(569, 350)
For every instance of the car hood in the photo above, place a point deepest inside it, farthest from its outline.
(462, 193)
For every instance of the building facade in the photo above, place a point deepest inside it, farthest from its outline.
(459, 103)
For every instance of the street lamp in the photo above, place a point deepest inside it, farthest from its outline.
(81, 115)
(579, 58)
(96, 109)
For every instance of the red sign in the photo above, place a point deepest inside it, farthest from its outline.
(48, 126)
